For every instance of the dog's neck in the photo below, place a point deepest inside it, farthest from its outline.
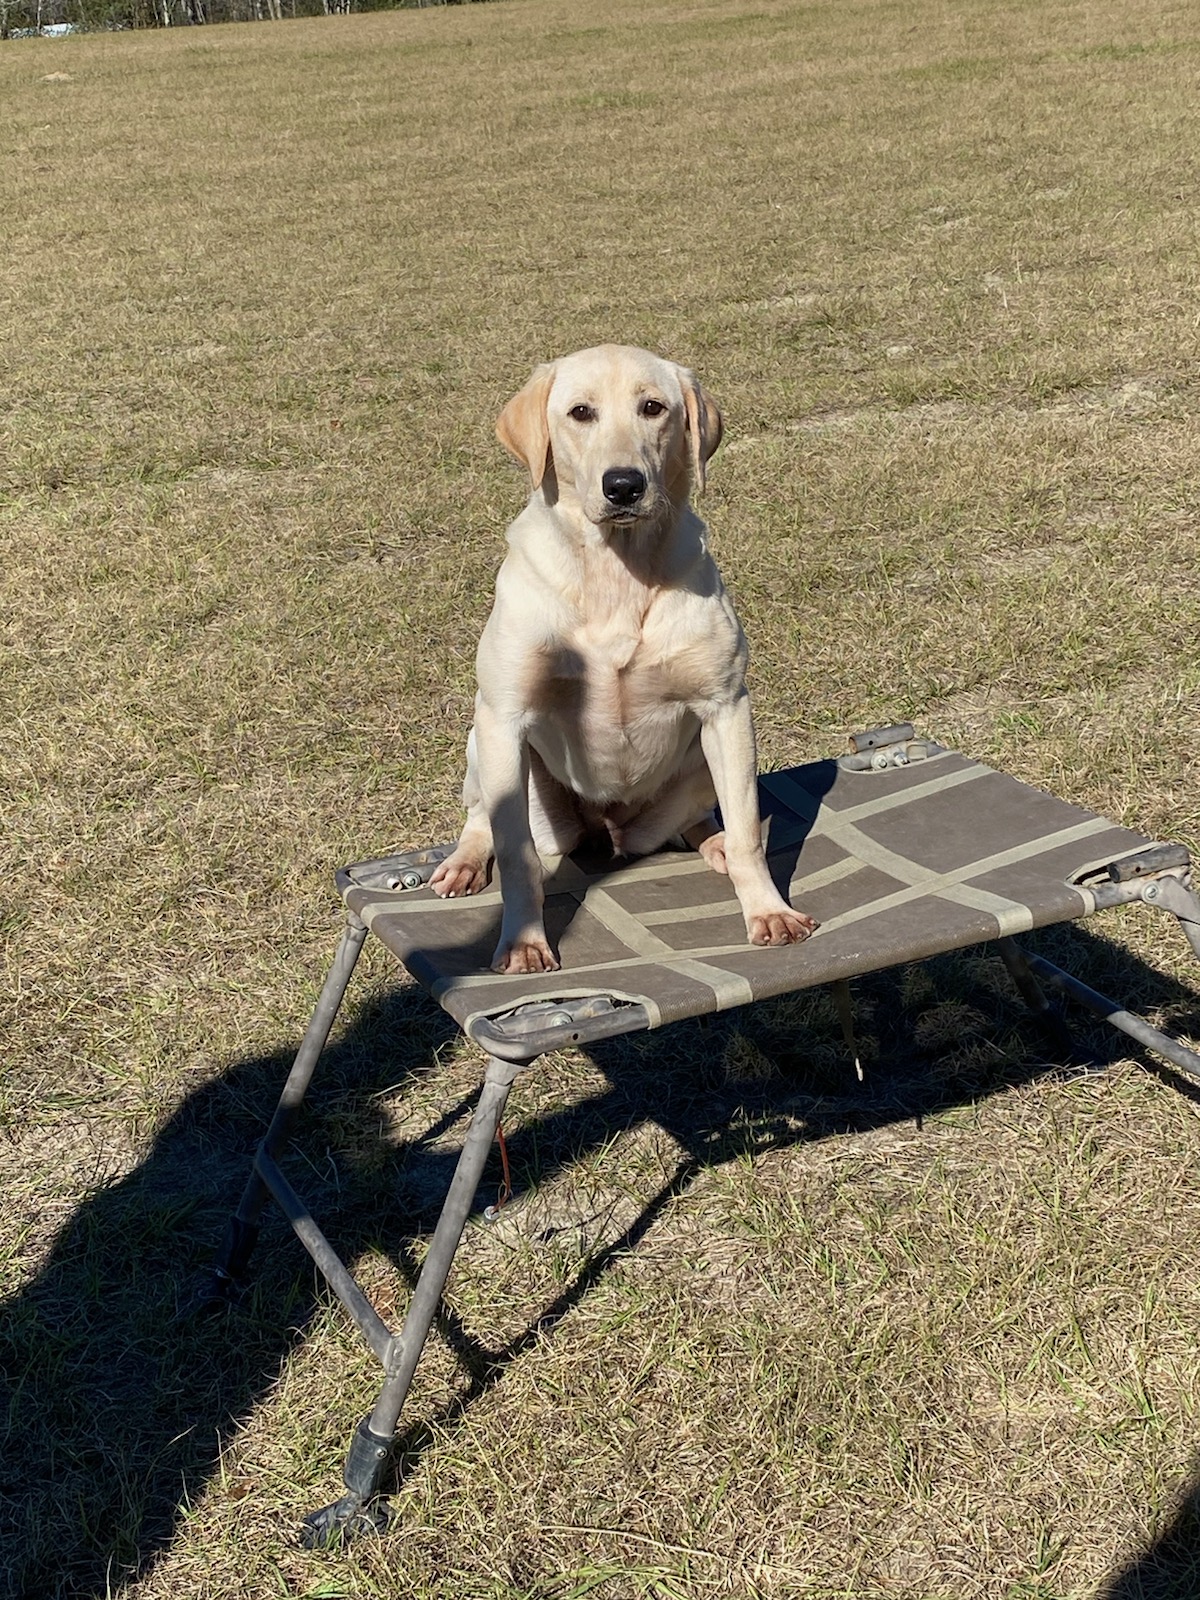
(648, 554)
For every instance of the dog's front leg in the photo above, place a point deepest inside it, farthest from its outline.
(503, 753)
(727, 739)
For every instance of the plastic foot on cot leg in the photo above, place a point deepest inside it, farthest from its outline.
(1074, 1055)
(348, 1518)
(224, 1283)
(361, 1510)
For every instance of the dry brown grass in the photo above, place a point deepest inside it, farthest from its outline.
(265, 290)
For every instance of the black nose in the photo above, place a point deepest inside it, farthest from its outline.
(623, 486)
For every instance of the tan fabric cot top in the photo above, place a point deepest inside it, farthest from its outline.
(897, 865)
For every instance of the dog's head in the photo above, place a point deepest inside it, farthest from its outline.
(623, 432)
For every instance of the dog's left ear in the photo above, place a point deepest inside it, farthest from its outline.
(523, 427)
(704, 424)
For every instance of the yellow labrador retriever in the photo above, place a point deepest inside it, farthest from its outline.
(612, 693)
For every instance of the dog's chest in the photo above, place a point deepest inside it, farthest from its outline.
(609, 724)
(599, 650)
(619, 669)
(613, 712)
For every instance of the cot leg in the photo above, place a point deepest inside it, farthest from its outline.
(1043, 1011)
(844, 1001)
(229, 1270)
(1178, 1054)
(1170, 894)
(369, 1460)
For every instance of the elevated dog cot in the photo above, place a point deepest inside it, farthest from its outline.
(901, 849)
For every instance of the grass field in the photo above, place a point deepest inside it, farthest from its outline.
(754, 1331)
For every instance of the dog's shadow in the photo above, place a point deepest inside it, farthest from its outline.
(117, 1413)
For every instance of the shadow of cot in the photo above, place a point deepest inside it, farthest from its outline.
(1169, 1567)
(116, 1412)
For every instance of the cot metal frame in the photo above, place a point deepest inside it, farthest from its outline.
(1158, 877)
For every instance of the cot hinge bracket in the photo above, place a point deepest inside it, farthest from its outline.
(880, 748)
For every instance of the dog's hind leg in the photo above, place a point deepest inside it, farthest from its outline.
(684, 808)
(709, 840)
(467, 869)
(555, 820)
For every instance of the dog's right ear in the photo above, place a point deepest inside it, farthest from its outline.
(523, 427)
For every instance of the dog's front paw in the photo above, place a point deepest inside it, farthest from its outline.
(781, 927)
(528, 954)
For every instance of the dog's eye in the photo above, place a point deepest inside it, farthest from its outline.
(653, 408)
(582, 414)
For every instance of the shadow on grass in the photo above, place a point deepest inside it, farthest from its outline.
(1168, 1566)
(1169, 1569)
(117, 1413)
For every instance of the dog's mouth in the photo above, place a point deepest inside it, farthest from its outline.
(625, 516)
(612, 515)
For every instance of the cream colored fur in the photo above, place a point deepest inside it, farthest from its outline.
(611, 671)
